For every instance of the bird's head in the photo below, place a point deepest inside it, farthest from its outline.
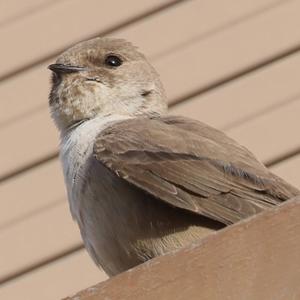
(103, 76)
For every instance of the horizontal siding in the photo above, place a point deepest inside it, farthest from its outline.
(12, 10)
(34, 137)
(60, 278)
(245, 98)
(31, 193)
(243, 50)
(162, 33)
(141, 33)
(48, 30)
(232, 64)
(37, 239)
(273, 134)
(230, 51)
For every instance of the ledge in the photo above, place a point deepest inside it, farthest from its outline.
(258, 258)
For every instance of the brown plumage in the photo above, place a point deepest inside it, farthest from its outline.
(192, 166)
(141, 183)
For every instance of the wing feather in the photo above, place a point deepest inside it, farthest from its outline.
(191, 166)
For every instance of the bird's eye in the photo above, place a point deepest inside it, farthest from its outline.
(113, 61)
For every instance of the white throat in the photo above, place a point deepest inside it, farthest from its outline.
(75, 149)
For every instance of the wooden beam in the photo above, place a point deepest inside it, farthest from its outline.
(255, 259)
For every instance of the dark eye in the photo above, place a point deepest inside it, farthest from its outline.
(113, 61)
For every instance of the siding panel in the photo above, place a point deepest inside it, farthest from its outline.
(195, 45)
(48, 31)
(246, 44)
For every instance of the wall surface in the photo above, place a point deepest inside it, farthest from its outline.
(233, 64)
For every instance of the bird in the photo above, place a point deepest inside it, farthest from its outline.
(141, 182)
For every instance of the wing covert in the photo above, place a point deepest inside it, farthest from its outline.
(191, 166)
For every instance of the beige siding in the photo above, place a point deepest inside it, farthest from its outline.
(61, 277)
(13, 9)
(233, 64)
(30, 39)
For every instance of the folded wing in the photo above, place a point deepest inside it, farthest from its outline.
(192, 166)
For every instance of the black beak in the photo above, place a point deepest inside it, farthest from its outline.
(60, 68)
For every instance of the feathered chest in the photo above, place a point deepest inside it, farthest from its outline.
(75, 151)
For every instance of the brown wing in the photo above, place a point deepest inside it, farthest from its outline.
(191, 166)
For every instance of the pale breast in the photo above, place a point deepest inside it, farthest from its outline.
(76, 148)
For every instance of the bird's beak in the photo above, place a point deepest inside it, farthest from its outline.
(60, 68)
